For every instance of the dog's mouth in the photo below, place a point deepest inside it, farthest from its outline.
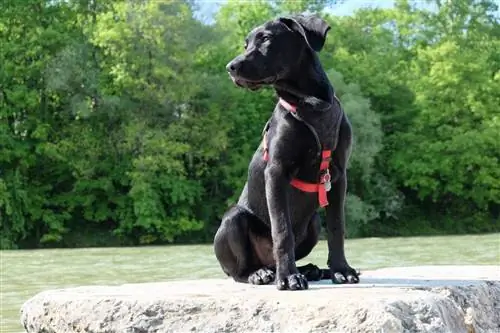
(252, 84)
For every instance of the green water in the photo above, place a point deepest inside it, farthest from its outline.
(25, 273)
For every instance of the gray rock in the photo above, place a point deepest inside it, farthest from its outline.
(436, 299)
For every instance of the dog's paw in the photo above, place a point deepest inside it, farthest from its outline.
(292, 282)
(261, 276)
(311, 272)
(344, 274)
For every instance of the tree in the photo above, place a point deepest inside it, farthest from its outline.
(31, 32)
(452, 148)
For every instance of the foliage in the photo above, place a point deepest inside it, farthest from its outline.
(118, 124)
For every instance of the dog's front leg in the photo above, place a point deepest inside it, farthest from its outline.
(287, 275)
(340, 270)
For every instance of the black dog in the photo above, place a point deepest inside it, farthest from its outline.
(275, 221)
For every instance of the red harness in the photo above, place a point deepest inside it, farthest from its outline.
(324, 184)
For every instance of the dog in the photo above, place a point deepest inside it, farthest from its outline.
(299, 166)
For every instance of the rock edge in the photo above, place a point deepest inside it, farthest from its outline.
(435, 299)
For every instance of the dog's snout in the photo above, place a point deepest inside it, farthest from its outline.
(233, 66)
(230, 67)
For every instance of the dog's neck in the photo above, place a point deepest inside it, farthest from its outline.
(307, 81)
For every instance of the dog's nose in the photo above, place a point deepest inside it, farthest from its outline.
(233, 66)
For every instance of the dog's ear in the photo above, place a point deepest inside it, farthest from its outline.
(311, 27)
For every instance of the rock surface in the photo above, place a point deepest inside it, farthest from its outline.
(436, 299)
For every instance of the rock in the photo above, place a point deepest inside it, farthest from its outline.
(436, 299)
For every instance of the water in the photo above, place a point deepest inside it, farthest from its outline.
(25, 273)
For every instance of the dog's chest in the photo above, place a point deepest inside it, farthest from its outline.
(307, 136)
(321, 128)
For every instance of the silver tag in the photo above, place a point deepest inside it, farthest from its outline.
(327, 180)
(328, 186)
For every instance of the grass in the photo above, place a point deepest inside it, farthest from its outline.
(27, 272)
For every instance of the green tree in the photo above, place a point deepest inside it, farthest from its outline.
(452, 148)
(31, 33)
(119, 125)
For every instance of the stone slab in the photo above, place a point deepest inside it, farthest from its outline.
(434, 299)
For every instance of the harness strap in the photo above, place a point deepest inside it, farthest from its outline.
(264, 141)
(324, 184)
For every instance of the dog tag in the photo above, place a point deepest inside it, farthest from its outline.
(327, 181)
(328, 186)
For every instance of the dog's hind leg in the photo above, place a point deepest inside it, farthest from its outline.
(232, 245)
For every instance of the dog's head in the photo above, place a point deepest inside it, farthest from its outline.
(273, 49)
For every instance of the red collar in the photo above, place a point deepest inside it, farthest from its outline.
(290, 107)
